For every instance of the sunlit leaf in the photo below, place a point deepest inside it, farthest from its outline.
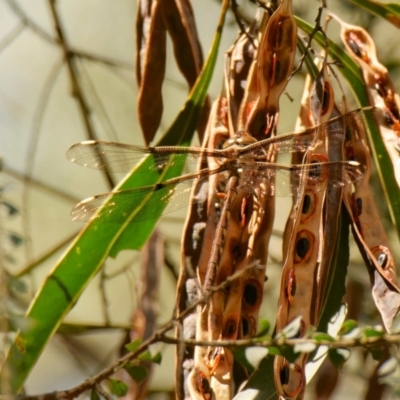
(292, 329)
(388, 367)
(264, 327)
(304, 347)
(321, 336)
(371, 332)
(348, 326)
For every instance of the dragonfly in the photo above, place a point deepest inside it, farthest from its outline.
(241, 155)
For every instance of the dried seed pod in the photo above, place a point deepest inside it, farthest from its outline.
(382, 92)
(274, 64)
(368, 230)
(304, 246)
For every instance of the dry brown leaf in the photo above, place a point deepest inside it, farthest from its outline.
(150, 65)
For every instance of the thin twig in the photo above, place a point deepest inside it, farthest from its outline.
(28, 22)
(77, 89)
(99, 389)
(121, 362)
(31, 266)
(317, 28)
(366, 342)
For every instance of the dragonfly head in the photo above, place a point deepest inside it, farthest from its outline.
(241, 139)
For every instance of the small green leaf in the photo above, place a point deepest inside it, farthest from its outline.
(264, 328)
(94, 395)
(338, 356)
(137, 372)
(117, 387)
(275, 351)
(157, 358)
(321, 336)
(370, 332)
(347, 327)
(134, 345)
(376, 352)
(146, 356)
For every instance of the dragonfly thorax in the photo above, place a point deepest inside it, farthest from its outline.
(241, 139)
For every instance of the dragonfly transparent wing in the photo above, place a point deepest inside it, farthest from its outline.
(336, 130)
(282, 181)
(120, 157)
(118, 206)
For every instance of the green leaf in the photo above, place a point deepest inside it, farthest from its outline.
(390, 12)
(157, 358)
(274, 351)
(134, 345)
(85, 256)
(376, 352)
(338, 357)
(239, 354)
(321, 336)
(263, 380)
(146, 356)
(370, 332)
(117, 387)
(336, 282)
(347, 327)
(137, 372)
(264, 328)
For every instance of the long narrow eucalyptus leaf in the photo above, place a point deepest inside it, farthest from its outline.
(352, 72)
(390, 11)
(85, 256)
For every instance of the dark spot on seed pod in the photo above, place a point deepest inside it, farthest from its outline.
(204, 386)
(284, 374)
(302, 247)
(245, 327)
(250, 294)
(306, 204)
(359, 205)
(230, 328)
(354, 47)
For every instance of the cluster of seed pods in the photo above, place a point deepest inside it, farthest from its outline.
(228, 229)
(235, 230)
(368, 230)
